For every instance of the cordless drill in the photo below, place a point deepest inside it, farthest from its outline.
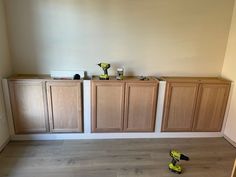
(105, 67)
(176, 156)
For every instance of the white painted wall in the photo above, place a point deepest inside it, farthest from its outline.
(229, 71)
(5, 69)
(147, 37)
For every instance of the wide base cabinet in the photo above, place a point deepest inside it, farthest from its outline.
(195, 104)
(124, 106)
(43, 105)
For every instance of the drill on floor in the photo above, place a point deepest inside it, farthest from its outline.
(176, 156)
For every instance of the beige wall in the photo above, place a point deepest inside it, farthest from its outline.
(229, 71)
(5, 69)
(147, 37)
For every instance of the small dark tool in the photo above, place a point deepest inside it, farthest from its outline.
(76, 77)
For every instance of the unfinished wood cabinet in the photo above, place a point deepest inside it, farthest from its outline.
(28, 101)
(179, 106)
(107, 106)
(124, 106)
(140, 106)
(195, 104)
(65, 106)
(211, 105)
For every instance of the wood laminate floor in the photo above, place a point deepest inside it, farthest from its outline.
(211, 157)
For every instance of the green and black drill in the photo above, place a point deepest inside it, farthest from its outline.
(105, 67)
(176, 156)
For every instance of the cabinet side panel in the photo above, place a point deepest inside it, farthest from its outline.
(28, 106)
(180, 106)
(211, 107)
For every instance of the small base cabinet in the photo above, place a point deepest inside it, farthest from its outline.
(124, 106)
(43, 105)
(28, 101)
(65, 106)
(195, 104)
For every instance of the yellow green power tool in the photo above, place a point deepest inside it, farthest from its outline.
(176, 157)
(105, 67)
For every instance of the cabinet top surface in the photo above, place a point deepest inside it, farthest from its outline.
(31, 76)
(127, 78)
(45, 77)
(197, 79)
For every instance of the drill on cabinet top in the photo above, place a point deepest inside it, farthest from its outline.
(105, 67)
(176, 156)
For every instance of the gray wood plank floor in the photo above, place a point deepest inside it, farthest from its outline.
(210, 157)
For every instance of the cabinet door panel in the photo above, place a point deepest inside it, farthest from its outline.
(179, 106)
(107, 106)
(211, 107)
(28, 106)
(65, 106)
(140, 106)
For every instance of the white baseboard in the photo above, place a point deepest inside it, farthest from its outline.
(76, 136)
(230, 141)
(4, 144)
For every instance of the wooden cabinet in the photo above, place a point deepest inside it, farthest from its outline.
(128, 105)
(211, 105)
(28, 101)
(195, 104)
(180, 106)
(65, 106)
(107, 106)
(140, 106)
(40, 104)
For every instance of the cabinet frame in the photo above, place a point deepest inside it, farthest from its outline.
(200, 81)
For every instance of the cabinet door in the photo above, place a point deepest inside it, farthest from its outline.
(107, 106)
(28, 103)
(65, 106)
(211, 105)
(140, 106)
(180, 101)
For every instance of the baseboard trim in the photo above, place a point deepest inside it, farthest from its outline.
(71, 136)
(230, 141)
(4, 144)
